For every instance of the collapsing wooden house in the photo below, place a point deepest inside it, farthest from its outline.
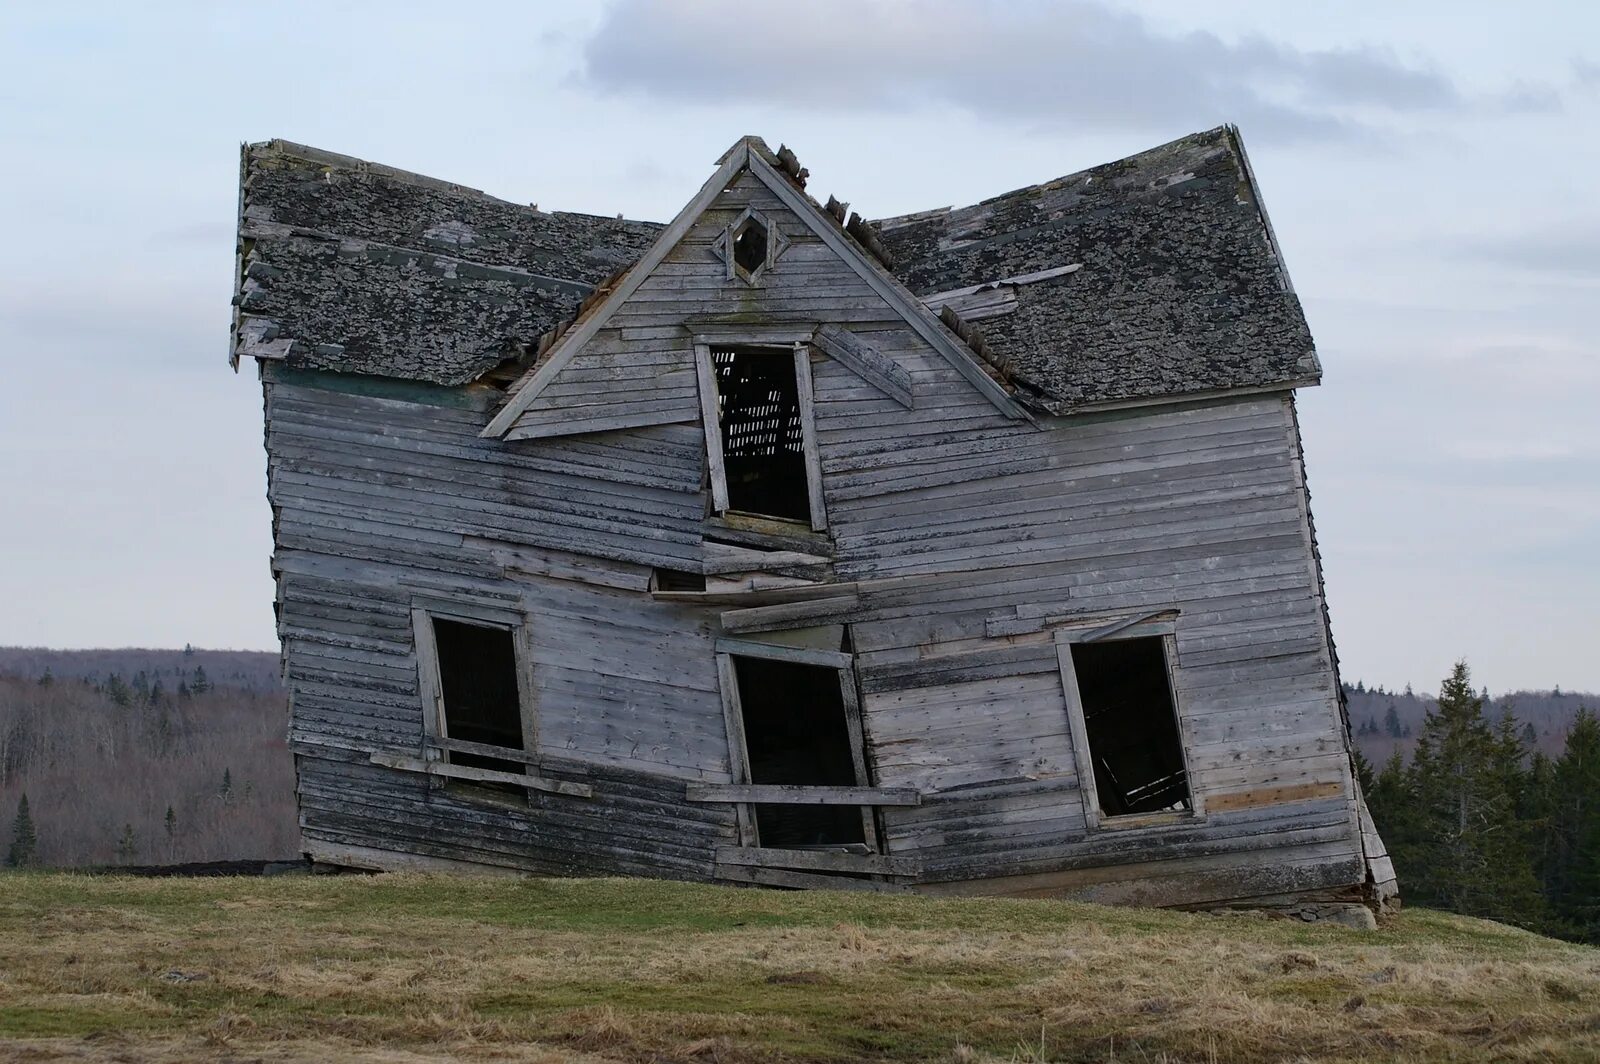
(966, 551)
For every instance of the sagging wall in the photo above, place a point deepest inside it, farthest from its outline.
(383, 491)
(383, 497)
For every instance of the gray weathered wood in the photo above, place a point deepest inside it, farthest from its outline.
(480, 775)
(786, 794)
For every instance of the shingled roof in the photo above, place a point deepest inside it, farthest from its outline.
(1180, 288)
(1153, 277)
(361, 268)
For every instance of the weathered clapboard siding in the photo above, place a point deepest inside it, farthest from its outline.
(975, 534)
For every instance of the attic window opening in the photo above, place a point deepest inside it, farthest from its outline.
(1131, 726)
(750, 247)
(762, 433)
(479, 694)
(796, 732)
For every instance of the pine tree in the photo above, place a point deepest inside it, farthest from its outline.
(188, 651)
(128, 845)
(117, 690)
(1572, 859)
(1469, 852)
(1364, 774)
(200, 685)
(225, 792)
(183, 690)
(24, 849)
(1391, 722)
(47, 679)
(171, 822)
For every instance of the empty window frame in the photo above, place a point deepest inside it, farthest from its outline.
(1126, 730)
(473, 684)
(798, 723)
(760, 438)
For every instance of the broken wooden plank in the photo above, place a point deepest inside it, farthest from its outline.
(406, 763)
(882, 372)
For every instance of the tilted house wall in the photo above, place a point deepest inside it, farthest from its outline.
(1066, 414)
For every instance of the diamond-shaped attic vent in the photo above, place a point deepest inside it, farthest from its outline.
(750, 247)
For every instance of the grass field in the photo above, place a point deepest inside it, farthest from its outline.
(412, 968)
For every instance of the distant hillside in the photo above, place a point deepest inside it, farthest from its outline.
(137, 756)
(249, 670)
(1545, 717)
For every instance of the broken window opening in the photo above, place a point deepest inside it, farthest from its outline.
(750, 247)
(678, 580)
(763, 439)
(1131, 724)
(795, 732)
(478, 685)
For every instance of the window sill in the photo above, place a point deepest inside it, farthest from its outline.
(1137, 821)
(768, 533)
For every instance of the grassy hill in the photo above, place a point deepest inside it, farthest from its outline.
(411, 967)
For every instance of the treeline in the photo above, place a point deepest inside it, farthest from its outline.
(184, 758)
(1385, 721)
(1481, 821)
(247, 670)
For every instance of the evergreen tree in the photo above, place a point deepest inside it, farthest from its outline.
(1468, 853)
(188, 651)
(171, 823)
(1391, 722)
(24, 849)
(128, 845)
(117, 690)
(1364, 773)
(158, 694)
(225, 792)
(200, 685)
(1571, 864)
(183, 690)
(1529, 735)
(47, 679)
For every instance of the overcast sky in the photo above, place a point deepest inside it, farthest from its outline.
(1431, 170)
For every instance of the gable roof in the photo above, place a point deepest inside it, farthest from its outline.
(1147, 279)
(751, 154)
(352, 266)
(1181, 288)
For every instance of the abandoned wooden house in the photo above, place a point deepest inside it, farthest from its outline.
(967, 551)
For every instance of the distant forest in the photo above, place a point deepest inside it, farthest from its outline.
(143, 757)
(1490, 805)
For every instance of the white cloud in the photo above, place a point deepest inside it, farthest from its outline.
(1062, 65)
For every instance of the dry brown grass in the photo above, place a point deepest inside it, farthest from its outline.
(415, 968)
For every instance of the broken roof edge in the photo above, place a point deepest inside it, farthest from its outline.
(309, 153)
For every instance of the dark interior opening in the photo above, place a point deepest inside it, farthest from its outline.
(1131, 726)
(750, 247)
(478, 674)
(795, 732)
(679, 580)
(763, 443)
